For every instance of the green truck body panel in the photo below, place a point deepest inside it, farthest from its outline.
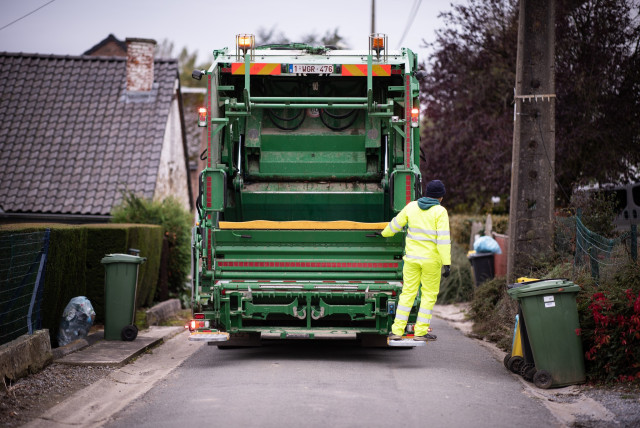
(335, 143)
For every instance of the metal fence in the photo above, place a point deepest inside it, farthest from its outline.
(594, 254)
(23, 258)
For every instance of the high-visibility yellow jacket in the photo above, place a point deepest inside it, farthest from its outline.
(428, 234)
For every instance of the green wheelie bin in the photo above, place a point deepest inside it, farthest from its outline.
(121, 279)
(551, 315)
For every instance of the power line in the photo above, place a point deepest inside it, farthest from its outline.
(24, 16)
(412, 16)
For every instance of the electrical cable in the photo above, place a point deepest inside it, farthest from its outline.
(339, 116)
(24, 16)
(338, 128)
(284, 128)
(285, 119)
(412, 15)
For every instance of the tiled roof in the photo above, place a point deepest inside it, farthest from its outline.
(72, 138)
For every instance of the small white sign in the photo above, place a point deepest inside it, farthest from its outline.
(548, 298)
(549, 304)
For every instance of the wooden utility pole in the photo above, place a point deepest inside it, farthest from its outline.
(533, 164)
(373, 16)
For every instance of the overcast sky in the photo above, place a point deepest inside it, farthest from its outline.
(70, 27)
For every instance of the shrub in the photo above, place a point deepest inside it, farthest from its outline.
(493, 313)
(147, 239)
(458, 287)
(598, 209)
(176, 224)
(610, 327)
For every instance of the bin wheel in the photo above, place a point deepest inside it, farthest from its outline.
(527, 371)
(506, 360)
(129, 333)
(515, 363)
(542, 379)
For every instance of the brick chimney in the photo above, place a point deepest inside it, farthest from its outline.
(140, 64)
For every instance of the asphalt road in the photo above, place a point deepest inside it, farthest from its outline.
(454, 382)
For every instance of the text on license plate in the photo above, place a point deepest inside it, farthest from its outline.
(311, 68)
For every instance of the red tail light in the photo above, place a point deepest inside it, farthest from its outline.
(198, 316)
(415, 117)
(197, 324)
(202, 116)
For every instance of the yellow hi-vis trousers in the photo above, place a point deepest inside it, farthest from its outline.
(414, 273)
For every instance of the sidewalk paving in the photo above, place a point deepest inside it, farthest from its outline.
(96, 351)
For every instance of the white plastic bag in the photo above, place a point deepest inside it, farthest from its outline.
(76, 321)
(486, 244)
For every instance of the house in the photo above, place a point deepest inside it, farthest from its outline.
(77, 131)
(110, 46)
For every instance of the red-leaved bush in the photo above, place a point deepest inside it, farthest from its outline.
(610, 327)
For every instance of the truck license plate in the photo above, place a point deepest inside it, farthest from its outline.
(311, 68)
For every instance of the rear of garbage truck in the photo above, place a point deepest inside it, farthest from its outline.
(311, 151)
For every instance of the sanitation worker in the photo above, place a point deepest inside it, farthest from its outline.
(428, 249)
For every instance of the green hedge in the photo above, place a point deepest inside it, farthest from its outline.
(74, 265)
(147, 239)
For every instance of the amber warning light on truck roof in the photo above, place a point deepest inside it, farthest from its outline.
(202, 116)
(244, 43)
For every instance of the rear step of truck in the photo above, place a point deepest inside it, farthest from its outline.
(405, 342)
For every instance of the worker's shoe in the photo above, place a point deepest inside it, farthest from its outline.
(393, 336)
(429, 337)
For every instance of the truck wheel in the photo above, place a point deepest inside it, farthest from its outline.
(129, 333)
(506, 360)
(542, 379)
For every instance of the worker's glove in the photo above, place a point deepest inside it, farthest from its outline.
(447, 271)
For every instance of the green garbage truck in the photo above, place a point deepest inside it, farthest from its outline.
(311, 150)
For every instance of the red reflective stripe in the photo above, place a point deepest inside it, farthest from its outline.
(408, 188)
(209, 250)
(307, 264)
(209, 126)
(407, 126)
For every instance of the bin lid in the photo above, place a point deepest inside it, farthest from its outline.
(122, 258)
(473, 255)
(545, 286)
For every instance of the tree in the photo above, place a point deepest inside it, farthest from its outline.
(598, 92)
(186, 63)
(467, 100)
(176, 224)
(468, 94)
(271, 36)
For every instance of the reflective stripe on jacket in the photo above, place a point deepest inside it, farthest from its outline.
(428, 235)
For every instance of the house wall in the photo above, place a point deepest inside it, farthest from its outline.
(172, 172)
